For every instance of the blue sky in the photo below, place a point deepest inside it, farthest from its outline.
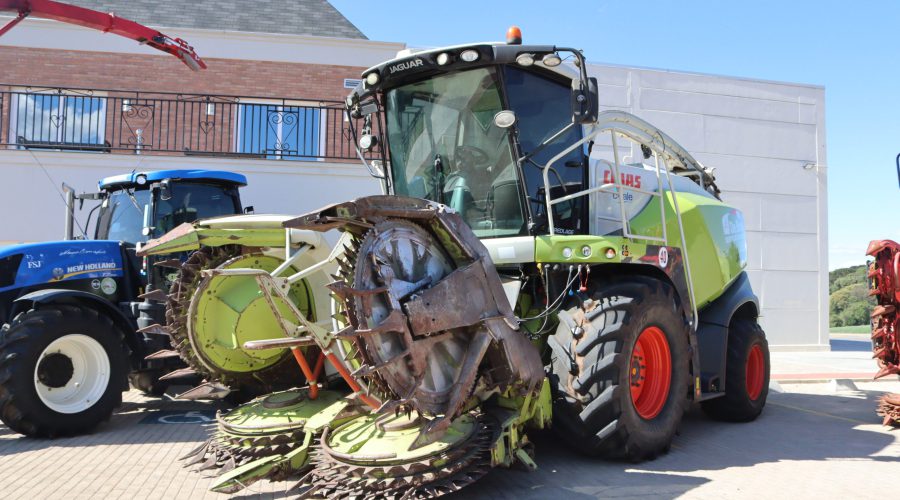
(850, 48)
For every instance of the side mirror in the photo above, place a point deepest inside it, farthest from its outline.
(585, 103)
(165, 190)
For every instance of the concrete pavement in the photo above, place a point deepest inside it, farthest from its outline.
(811, 442)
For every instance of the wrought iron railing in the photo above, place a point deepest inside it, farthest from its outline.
(107, 121)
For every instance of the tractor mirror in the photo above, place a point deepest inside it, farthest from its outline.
(165, 190)
(585, 102)
(505, 119)
(145, 230)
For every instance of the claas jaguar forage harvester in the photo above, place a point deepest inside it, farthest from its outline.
(533, 260)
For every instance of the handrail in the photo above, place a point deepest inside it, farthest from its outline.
(662, 146)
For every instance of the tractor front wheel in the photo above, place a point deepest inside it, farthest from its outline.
(62, 370)
(620, 368)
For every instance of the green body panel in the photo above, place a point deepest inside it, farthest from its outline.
(716, 242)
(231, 310)
(197, 236)
(363, 441)
(284, 412)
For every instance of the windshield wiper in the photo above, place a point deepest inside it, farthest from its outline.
(134, 201)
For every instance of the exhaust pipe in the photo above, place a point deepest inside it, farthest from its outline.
(70, 210)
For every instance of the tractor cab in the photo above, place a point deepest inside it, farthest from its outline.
(139, 206)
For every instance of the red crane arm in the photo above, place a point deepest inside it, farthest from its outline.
(107, 23)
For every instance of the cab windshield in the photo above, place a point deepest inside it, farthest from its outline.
(444, 147)
(122, 214)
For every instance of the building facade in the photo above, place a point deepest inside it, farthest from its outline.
(78, 106)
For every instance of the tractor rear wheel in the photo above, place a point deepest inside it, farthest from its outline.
(62, 370)
(620, 368)
(746, 374)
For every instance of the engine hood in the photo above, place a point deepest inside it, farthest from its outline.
(40, 263)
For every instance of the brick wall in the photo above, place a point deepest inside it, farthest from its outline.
(174, 123)
(146, 73)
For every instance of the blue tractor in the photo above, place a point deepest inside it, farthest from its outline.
(72, 309)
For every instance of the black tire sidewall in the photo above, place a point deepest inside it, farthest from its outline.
(657, 432)
(610, 326)
(749, 336)
(41, 327)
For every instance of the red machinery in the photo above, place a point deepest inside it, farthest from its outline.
(884, 273)
(884, 284)
(107, 23)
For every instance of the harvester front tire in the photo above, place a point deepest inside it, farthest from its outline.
(746, 375)
(75, 351)
(620, 369)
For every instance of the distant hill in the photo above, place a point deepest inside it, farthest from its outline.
(850, 301)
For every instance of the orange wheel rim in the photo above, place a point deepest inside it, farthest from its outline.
(756, 372)
(651, 372)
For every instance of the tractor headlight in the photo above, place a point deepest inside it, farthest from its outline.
(551, 60)
(443, 58)
(367, 142)
(525, 60)
(372, 79)
(469, 55)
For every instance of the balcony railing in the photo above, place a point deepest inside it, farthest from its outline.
(115, 121)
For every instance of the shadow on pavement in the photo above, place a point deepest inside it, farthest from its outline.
(144, 420)
(846, 345)
(798, 427)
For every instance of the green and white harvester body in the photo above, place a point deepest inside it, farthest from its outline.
(531, 261)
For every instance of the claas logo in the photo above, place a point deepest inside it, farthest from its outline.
(628, 180)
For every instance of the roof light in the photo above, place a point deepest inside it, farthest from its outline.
(469, 55)
(525, 59)
(586, 251)
(514, 36)
(141, 179)
(443, 58)
(610, 253)
(551, 60)
(567, 253)
(372, 79)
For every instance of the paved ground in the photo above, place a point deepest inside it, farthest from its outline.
(850, 358)
(811, 442)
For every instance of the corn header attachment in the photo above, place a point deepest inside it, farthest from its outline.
(442, 384)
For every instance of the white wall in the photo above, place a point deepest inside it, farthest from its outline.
(32, 208)
(759, 136)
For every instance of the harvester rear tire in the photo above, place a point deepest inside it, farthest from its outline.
(87, 339)
(600, 358)
(746, 375)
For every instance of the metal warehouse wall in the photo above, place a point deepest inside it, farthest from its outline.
(766, 141)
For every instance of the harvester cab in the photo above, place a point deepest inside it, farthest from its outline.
(72, 308)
